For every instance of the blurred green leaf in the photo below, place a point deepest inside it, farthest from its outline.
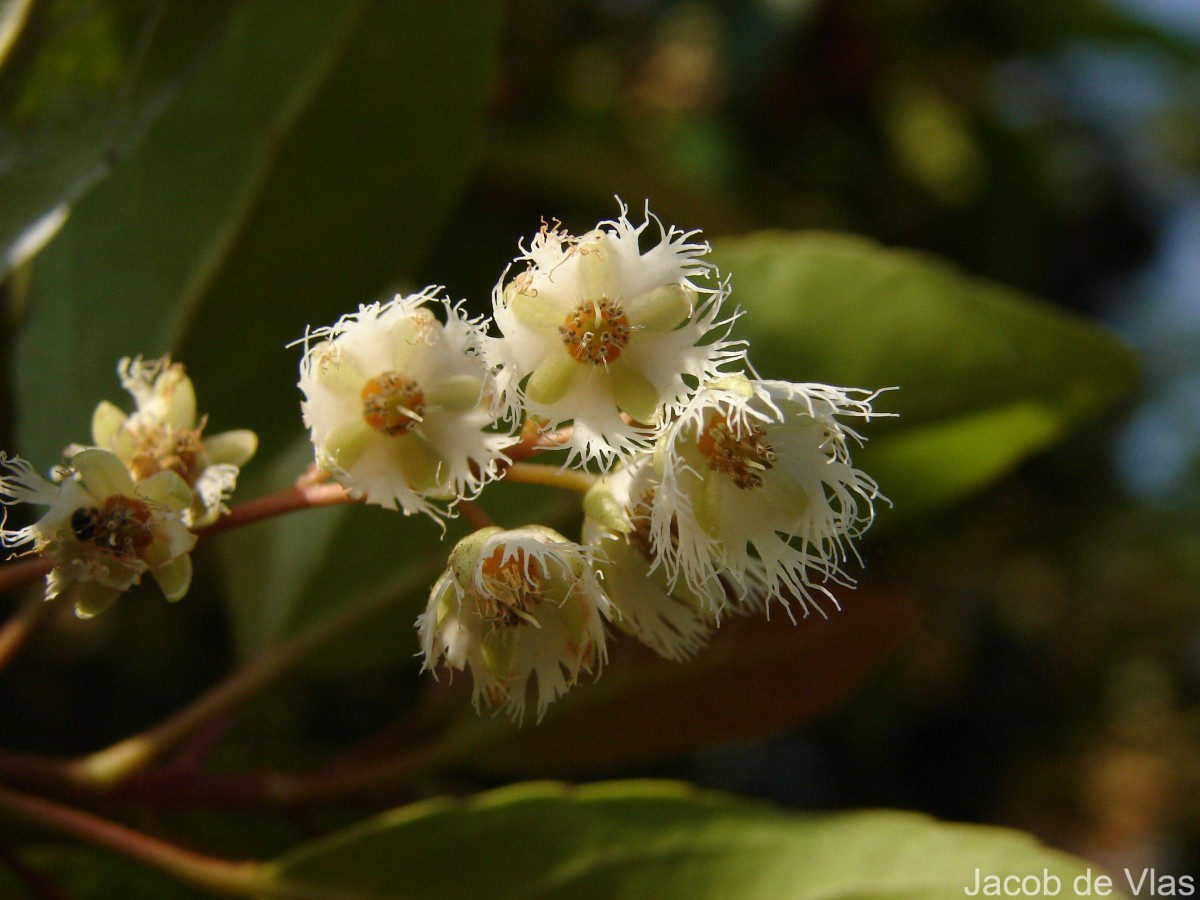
(291, 572)
(68, 871)
(79, 84)
(756, 678)
(658, 839)
(986, 375)
(306, 167)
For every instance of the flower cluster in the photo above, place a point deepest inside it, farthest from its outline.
(712, 491)
(707, 490)
(129, 502)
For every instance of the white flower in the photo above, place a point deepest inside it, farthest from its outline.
(102, 532)
(395, 403)
(522, 609)
(756, 479)
(672, 620)
(594, 327)
(164, 434)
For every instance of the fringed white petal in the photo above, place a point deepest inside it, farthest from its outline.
(786, 522)
(449, 449)
(596, 302)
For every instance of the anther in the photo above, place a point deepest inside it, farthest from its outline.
(392, 403)
(596, 331)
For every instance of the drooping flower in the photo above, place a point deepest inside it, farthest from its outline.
(397, 404)
(594, 327)
(102, 531)
(164, 433)
(671, 619)
(755, 478)
(522, 609)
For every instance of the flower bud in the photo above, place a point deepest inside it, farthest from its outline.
(671, 619)
(522, 609)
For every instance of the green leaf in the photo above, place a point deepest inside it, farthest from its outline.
(756, 678)
(303, 170)
(83, 872)
(986, 376)
(79, 85)
(658, 839)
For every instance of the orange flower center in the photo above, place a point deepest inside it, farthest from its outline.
(121, 526)
(596, 331)
(739, 452)
(512, 588)
(392, 403)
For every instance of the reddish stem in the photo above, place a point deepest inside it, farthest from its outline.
(299, 496)
(17, 630)
(244, 878)
(14, 575)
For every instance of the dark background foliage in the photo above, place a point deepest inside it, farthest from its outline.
(1034, 650)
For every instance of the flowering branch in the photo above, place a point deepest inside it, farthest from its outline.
(568, 479)
(14, 575)
(17, 630)
(297, 497)
(114, 764)
(242, 878)
(226, 877)
(475, 514)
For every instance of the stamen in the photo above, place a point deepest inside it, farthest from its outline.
(512, 589)
(596, 331)
(162, 447)
(120, 527)
(741, 453)
(392, 403)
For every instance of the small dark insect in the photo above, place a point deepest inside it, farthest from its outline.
(83, 523)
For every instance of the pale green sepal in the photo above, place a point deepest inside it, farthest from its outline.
(786, 495)
(633, 392)
(737, 384)
(465, 555)
(551, 380)
(573, 614)
(181, 397)
(90, 599)
(107, 420)
(346, 444)
(171, 540)
(537, 314)
(337, 373)
(410, 340)
(595, 271)
(423, 467)
(235, 448)
(202, 517)
(174, 577)
(168, 489)
(659, 456)
(706, 505)
(497, 647)
(457, 394)
(600, 505)
(103, 474)
(662, 309)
